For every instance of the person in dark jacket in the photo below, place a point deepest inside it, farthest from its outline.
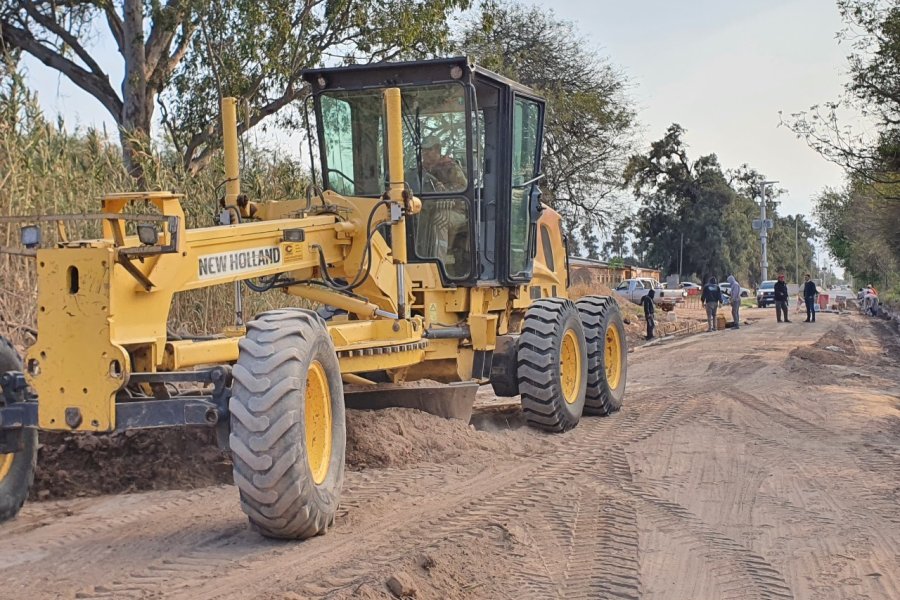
(649, 311)
(781, 299)
(711, 297)
(809, 299)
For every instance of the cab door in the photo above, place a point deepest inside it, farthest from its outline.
(527, 118)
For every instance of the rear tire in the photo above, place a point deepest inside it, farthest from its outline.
(17, 468)
(288, 431)
(552, 365)
(604, 333)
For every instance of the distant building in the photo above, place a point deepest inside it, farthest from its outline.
(585, 271)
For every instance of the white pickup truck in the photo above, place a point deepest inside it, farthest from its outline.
(635, 289)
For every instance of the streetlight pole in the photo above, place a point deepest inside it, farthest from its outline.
(763, 230)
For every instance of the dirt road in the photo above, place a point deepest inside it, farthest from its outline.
(760, 463)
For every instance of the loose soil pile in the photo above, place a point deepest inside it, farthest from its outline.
(75, 464)
(834, 348)
(83, 464)
(401, 437)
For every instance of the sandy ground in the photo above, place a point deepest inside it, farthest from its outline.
(759, 463)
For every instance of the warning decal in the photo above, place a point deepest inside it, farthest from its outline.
(226, 264)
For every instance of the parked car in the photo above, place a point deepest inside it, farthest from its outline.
(726, 290)
(692, 289)
(765, 294)
(635, 289)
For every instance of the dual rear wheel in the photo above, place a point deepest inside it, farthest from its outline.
(571, 359)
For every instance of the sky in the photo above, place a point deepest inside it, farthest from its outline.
(724, 70)
(721, 69)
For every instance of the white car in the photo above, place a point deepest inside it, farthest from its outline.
(726, 290)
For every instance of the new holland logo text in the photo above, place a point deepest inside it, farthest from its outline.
(240, 261)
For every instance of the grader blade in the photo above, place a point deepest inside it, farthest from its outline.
(451, 401)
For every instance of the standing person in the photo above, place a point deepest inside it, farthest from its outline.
(649, 312)
(711, 297)
(870, 300)
(809, 299)
(735, 297)
(781, 299)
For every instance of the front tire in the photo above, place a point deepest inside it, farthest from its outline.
(288, 430)
(607, 354)
(16, 468)
(552, 365)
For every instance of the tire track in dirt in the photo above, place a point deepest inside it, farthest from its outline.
(531, 495)
(244, 547)
(810, 430)
(736, 567)
(80, 529)
(742, 573)
(479, 502)
(853, 504)
(864, 501)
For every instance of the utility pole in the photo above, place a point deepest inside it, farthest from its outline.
(797, 247)
(680, 257)
(763, 231)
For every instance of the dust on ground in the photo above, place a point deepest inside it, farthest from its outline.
(729, 473)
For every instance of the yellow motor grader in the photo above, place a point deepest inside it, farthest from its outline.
(426, 245)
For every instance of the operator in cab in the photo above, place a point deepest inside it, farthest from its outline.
(442, 172)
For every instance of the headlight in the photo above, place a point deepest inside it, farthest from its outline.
(31, 236)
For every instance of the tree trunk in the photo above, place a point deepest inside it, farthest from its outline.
(137, 108)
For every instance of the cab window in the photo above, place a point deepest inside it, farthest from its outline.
(526, 124)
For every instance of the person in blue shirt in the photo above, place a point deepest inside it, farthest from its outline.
(711, 297)
(809, 299)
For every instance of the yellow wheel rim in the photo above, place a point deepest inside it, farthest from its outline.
(570, 366)
(6, 461)
(318, 422)
(613, 357)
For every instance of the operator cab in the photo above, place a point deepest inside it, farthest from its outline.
(471, 151)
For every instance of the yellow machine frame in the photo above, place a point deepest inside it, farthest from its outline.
(110, 322)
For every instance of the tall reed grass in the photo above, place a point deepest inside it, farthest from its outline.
(45, 169)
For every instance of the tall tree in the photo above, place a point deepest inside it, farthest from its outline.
(680, 197)
(872, 31)
(691, 208)
(619, 244)
(590, 121)
(862, 221)
(856, 221)
(180, 54)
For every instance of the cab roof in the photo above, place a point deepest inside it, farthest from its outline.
(407, 73)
